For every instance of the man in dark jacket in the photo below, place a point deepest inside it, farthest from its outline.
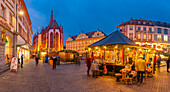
(37, 59)
(88, 65)
(22, 59)
(167, 63)
(54, 62)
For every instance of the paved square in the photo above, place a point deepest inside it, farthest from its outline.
(73, 78)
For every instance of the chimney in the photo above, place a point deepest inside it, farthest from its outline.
(51, 16)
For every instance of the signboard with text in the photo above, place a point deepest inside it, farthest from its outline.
(14, 64)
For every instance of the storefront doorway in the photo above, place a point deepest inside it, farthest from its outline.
(8, 49)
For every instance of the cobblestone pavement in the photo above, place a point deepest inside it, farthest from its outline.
(72, 78)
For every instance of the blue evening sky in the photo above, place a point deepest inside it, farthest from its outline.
(90, 15)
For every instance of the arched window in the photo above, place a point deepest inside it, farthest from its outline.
(57, 42)
(51, 40)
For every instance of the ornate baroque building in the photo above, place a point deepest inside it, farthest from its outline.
(10, 38)
(147, 33)
(81, 41)
(50, 37)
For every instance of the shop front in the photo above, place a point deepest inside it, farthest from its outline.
(25, 50)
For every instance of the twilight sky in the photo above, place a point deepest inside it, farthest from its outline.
(90, 15)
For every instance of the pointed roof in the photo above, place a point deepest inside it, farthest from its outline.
(53, 22)
(114, 38)
(90, 34)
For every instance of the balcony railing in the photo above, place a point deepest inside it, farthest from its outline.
(143, 31)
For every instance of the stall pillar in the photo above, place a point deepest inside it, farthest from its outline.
(123, 55)
(104, 53)
(154, 64)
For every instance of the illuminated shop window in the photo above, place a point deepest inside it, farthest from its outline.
(144, 36)
(139, 36)
(159, 37)
(165, 38)
(131, 36)
(150, 36)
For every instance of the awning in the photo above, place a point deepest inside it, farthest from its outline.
(26, 46)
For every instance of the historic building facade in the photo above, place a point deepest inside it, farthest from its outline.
(10, 38)
(50, 38)
(81, 41)
(147, 33)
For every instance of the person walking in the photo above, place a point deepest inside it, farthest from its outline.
(140, 68)
(37, 60)
(54, 62)
(167, 63)
(159, 62)
(46, 59)
(22, 59)
(88, 65)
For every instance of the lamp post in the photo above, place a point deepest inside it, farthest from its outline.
(16, 34)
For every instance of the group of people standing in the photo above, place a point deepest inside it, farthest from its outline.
(140, 66)
(97, 66)
(54, 58)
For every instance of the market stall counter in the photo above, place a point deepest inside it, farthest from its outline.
(114, 67)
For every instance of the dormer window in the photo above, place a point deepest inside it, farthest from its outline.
(139, 22)
(130, 22)
(97, 34)
(150, 23)
(144, 23)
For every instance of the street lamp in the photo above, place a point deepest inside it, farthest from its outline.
(16, 34)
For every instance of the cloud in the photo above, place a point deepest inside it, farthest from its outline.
(38, 19)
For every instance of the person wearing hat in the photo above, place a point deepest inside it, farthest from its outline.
(140, 67)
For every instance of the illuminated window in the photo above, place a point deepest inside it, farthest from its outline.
(150, 36)
(144, 36)
(159, 37)
(139, 36)
(165, 38)
(90, 41)
(131, 36)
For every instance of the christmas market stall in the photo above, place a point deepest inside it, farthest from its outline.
(117, 51)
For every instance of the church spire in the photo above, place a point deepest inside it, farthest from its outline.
(51, 16)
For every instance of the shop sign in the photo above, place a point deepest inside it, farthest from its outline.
(14, 63)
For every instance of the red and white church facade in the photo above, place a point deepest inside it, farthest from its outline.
(51, 37)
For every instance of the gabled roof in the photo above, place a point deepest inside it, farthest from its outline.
(136, 21)
(114, 38)
(90, 34)
(147, 22)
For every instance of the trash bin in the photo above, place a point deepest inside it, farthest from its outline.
(51, 62)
